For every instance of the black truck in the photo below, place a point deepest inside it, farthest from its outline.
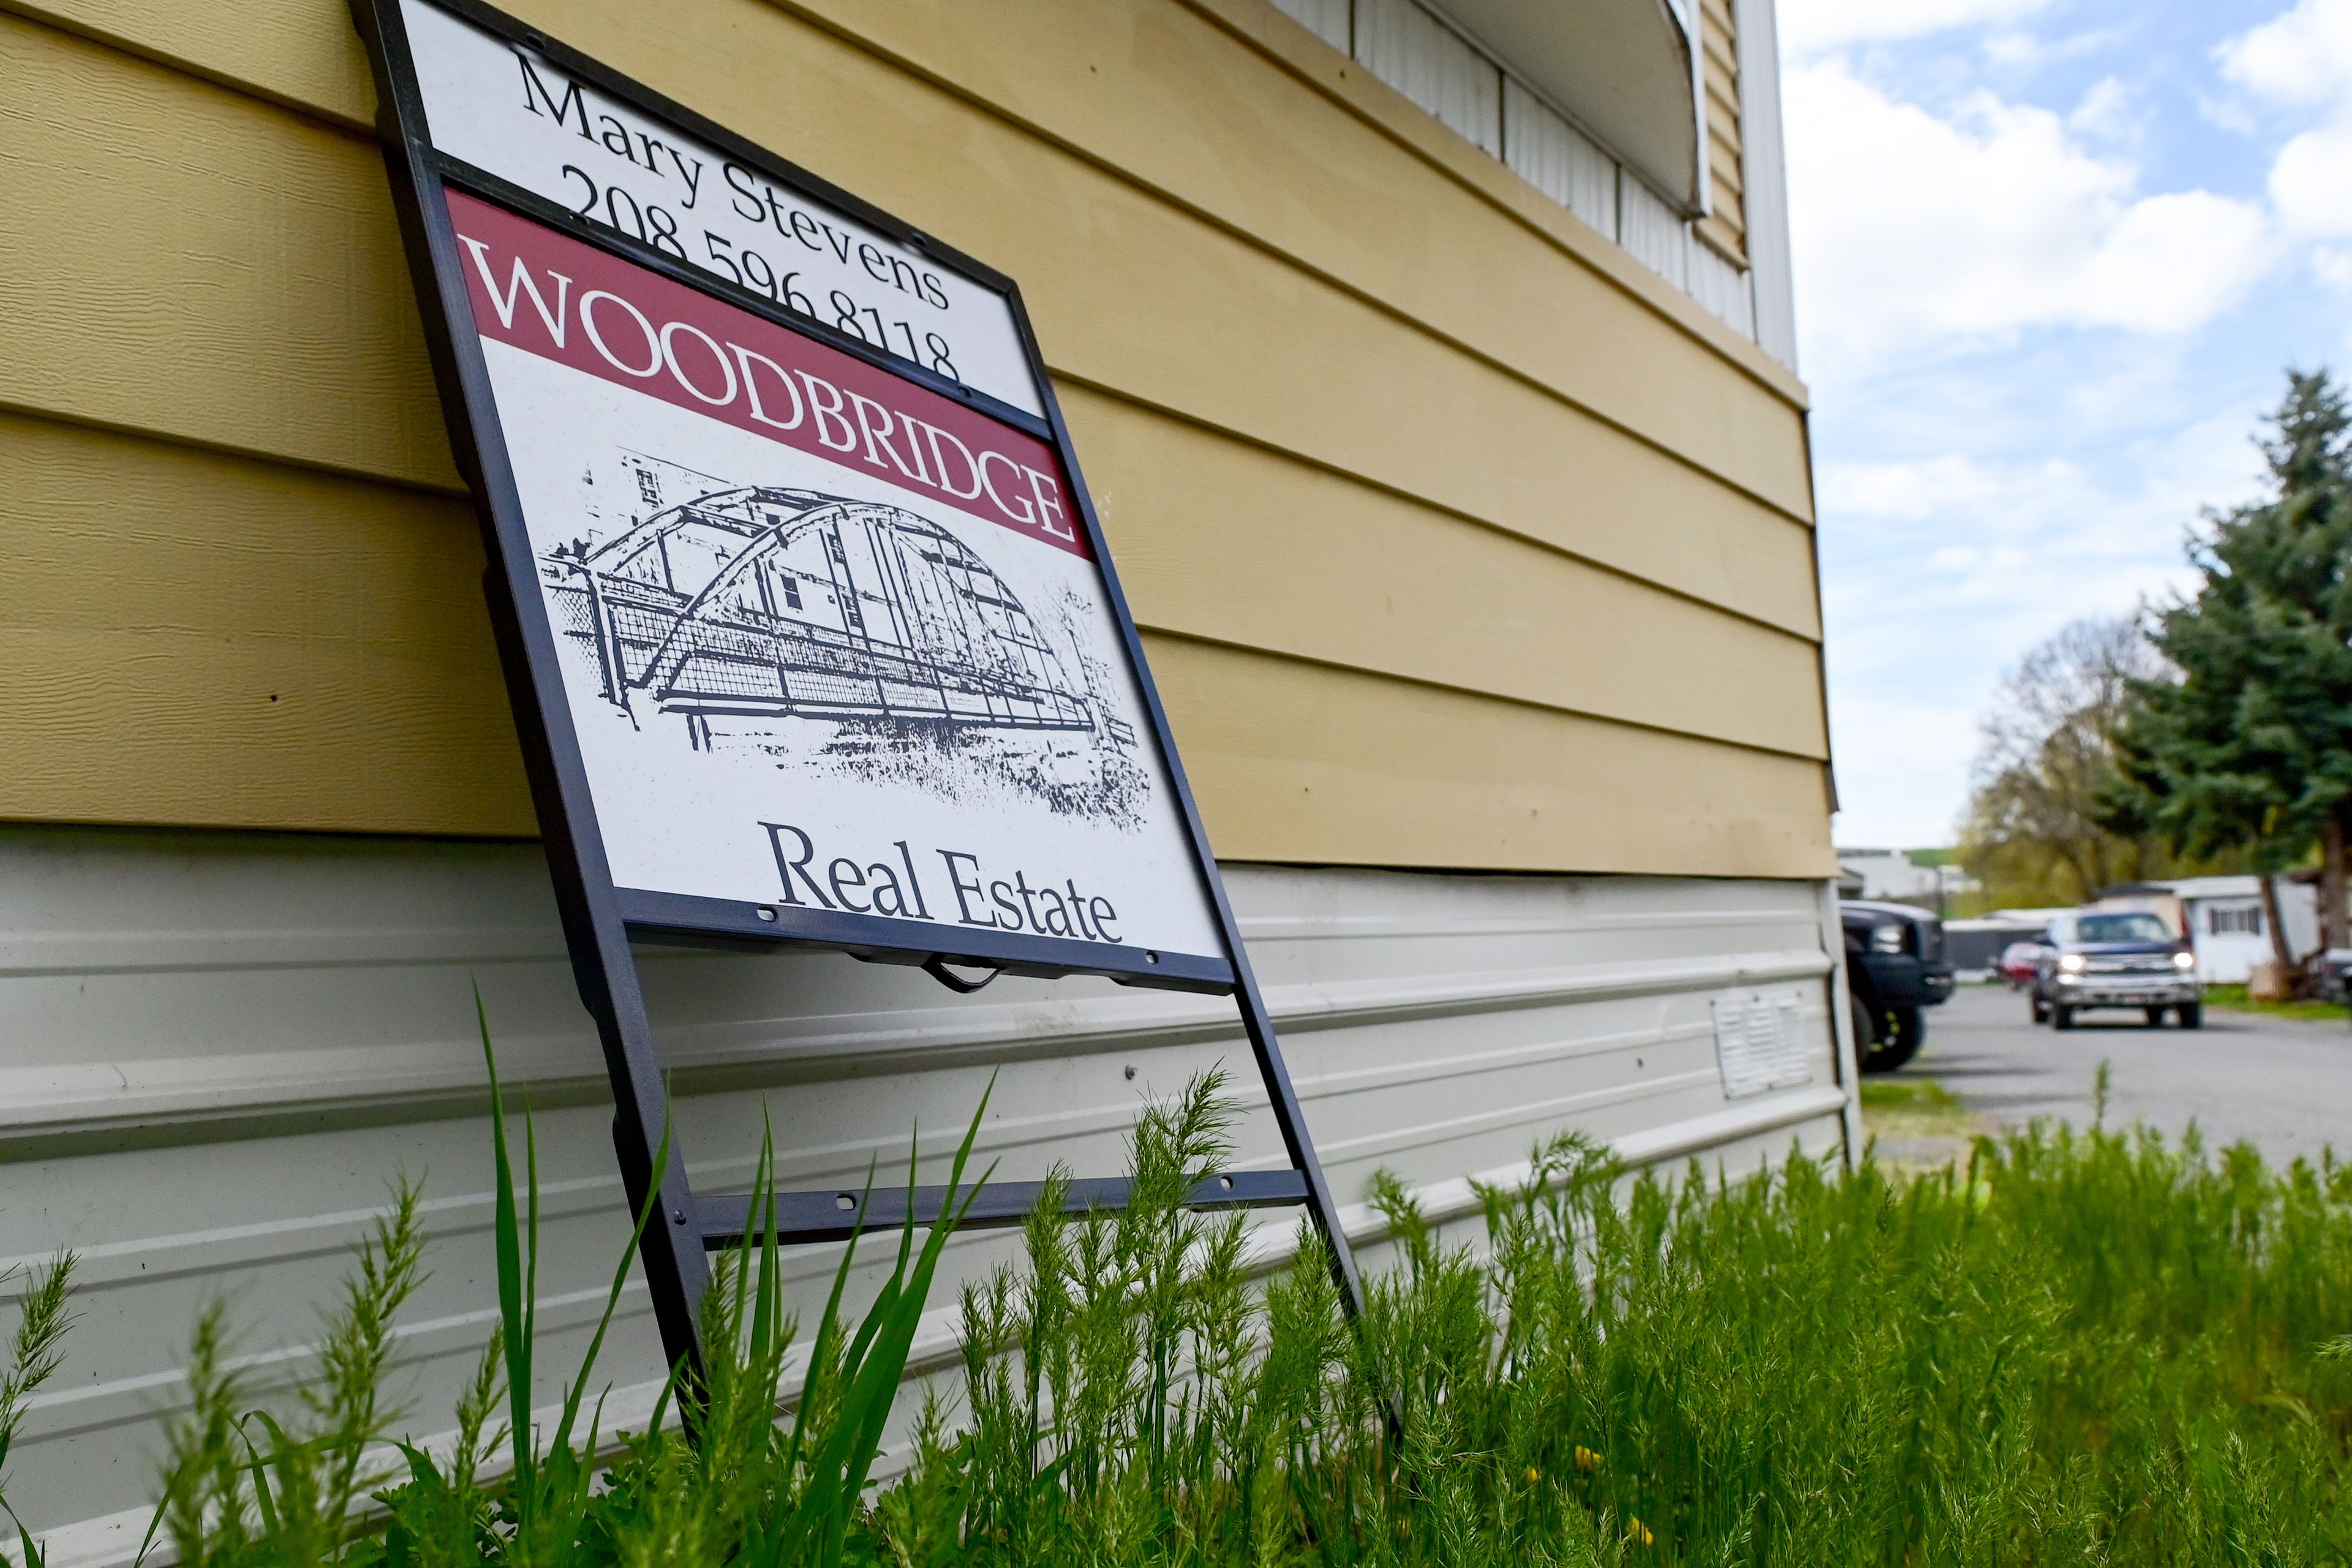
(1893, 967)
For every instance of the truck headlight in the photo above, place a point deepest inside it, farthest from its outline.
(1887, 938)
(2074, 964)
(2184, 961)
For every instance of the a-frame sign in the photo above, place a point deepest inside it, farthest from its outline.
(808, 622)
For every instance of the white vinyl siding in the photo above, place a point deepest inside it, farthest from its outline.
(216, 1049)
(1722, 286)
(1658, 236)
(1327, 19)
(1413, 52)
(1543, 149)
(1412, 47)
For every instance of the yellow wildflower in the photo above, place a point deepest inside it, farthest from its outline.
(1586, 1459)
(1638, 1533)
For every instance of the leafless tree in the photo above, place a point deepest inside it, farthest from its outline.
(2045, 755)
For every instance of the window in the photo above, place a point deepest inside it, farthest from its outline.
(1408, 45)
(2244, 920)
(1424, 50)
(2120, 928)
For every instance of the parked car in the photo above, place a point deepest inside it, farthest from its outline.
(2020, 961)
(1894, 966)
(2334, 970)
(2117, 958)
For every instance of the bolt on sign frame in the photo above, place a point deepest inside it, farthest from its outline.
(931, 593)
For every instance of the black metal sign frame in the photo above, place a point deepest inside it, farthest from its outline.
(600, 918)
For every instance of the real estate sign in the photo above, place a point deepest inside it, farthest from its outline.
(808, 622)
(836, 643)
(511, 110)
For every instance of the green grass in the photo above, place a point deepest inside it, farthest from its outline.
(2236, 999)
(1915, 1124)
(33, 1359)
(1923, 1095)
(2084, 1346)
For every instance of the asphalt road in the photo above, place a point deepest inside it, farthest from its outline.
(2283, 1083)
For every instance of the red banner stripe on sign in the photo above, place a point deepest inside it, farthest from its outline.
(543, 292)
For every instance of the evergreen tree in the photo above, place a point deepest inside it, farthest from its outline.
(2249, 749)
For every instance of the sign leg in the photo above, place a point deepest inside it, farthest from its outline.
(678, 1269)
(605, 969)
(1295, 1139)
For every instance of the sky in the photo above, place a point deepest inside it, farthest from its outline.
(2052, 258)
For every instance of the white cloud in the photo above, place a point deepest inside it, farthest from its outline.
(1906, 489)
(1915, 230)
(2302, 59)
(1939, 570)
(2312, 180)
(2021, 48)
(2332, 265)
(1895, 759)
(1810, 26)
(1989, 471)
(2108, 110)
(2110, 535)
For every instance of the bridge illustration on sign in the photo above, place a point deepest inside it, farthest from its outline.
(790, 604)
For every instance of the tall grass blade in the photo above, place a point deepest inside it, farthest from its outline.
(645, 1212)
(507, 1231)
(35, 1353)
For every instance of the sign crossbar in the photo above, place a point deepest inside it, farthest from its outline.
(823, 615)
(833, 1213)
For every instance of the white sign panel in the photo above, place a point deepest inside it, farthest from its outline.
(512, 112)
(833, 643)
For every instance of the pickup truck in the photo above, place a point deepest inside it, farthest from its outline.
(1893, 967)
(2117, 958)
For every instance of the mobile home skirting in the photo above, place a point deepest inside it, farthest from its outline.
(218, 1050)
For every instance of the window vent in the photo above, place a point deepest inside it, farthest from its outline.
(1760, 1043)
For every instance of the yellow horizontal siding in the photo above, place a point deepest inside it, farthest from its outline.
(1295, 763)
(203, 639)
(277, 49)
(1222, 540)
(1149, 88)
(223, 642)
(302, 272)
(184, 260)
(1725, 226)
(1723, 98)
(1723, 166)
(1171, 106)
(1297, 349)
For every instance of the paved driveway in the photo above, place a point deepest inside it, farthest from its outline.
(2285, 1083)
